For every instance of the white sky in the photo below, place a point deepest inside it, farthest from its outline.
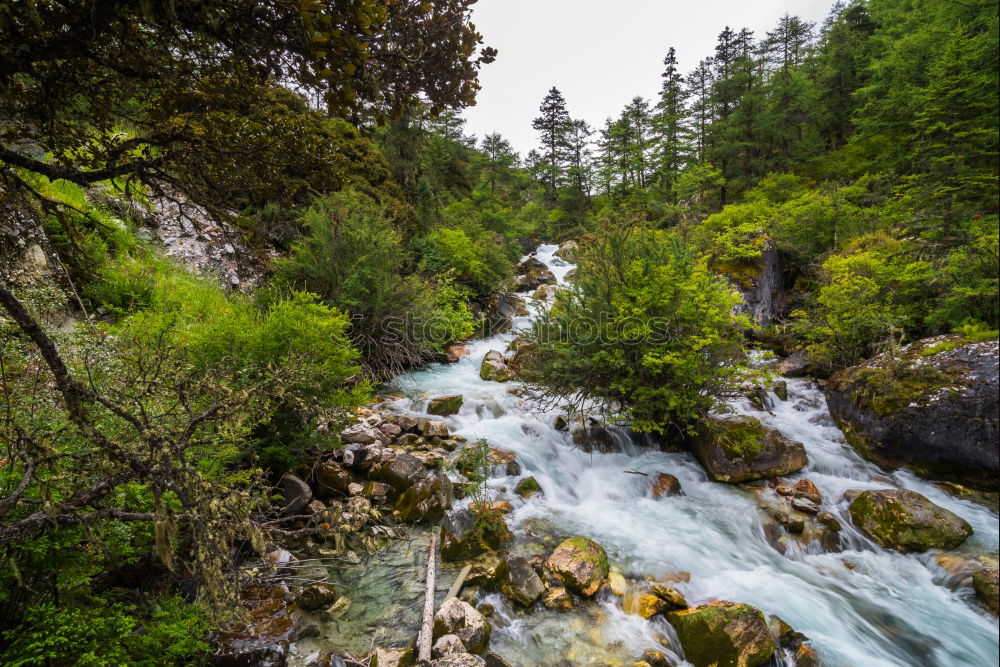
(600, 54)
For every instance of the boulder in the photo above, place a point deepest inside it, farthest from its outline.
(804, 488)
(739, 449)
(590, 435)
(463, 537)
(665, 485)
(431, 428)
(316, 597)
(568, 251)
(495, 368)
(359, 434)
(725, 634)
(447, 645)
(987, 589)
(780, 389)
(670, 595)
(934, 409)
(527, 487)
(498, 312)
(647, 605)
(795, 365)
(331, 479)
(502, 462)
(427, 500)
(531, 273)
(401, 472)
(456, 617)
(445, 405)
(580, 564)
(518, 580)
(761, 283)
(295, 494)
(907, 521)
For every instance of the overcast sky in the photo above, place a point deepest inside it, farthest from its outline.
(599, 53)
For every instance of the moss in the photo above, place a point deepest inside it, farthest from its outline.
(738, 437)
(725, 634)
(745, 273)
(527, 487)
(907, 521)
(885, 390)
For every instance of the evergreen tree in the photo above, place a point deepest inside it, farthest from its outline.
(699, 91)
(551, 127)
(499, 158)
(789, 91)
(578, 158)
(669, 123)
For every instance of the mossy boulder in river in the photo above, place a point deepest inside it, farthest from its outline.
(740, 449)
(495, 368)
(932, 408)
(456, 617)
(580, 564)
(518, 581)
(445, 405)
(907, 521)
(463, 536)
(725, 634)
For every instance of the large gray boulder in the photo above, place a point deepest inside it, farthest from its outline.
(907, 521)
(531, 274)
(933, 410)
(740, 449)
(456, 617)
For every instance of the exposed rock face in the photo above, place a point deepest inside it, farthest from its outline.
(495, 367)
(725, 634)
(518, 580)
(761, 285)
(456, 617)
(463, 538)
(445, 405)
(580, 564)
(934, 411)
(907, 521)
(739, 449)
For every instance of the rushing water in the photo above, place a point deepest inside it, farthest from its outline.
(861, 606)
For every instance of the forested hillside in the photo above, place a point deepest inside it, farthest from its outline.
(225, 226)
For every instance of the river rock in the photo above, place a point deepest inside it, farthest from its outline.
(462, 537)
(739, 449)
(796, 365)
(431, 428)
(427, 500)
(670, 595)
(392, 657)
(456, 617)
(401, 472)
(459, 660)
(580, 564)
(558, 599)
(447, 645)
(590, 435)
(502, 462)
(295, 494)
(331, 479)
(804, 488)
(933, 410)
(987, 588)
(665, 485)
(445, 405)
(527, 487)
(725, 634)
(780, 389)
(907, 521)
(498, 313)
(518, 580)
(568, 251)
(359, 434)
(316, 597)
(531, 273)
(495, 368)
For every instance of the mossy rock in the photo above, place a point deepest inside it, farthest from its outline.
(527, 487)
(739, 449)
(445, 405)
(580, 564)
(517, 580)
(464, 535)
(907, 521)
(932, 407)
(985, 582)
(494, 368)
(724, 634)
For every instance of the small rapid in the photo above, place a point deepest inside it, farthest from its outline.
(863, 605)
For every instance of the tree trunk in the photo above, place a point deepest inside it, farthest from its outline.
(426, 637)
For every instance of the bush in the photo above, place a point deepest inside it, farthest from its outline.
(482, 265)
(646, 331)
(353, 257)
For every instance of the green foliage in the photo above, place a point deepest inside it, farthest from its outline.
(736, 235)
(173, 632)
(354, 259)
(646, 330)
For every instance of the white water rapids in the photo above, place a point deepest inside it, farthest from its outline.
(860, 606)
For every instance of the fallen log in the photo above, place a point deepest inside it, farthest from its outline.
(425, 639)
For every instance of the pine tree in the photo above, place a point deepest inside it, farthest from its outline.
(499, 158)
(671, 141)
(699, 91)
(551, 127)
(637, 123)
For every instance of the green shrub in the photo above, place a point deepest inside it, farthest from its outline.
(646, 330)
(354, 258)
